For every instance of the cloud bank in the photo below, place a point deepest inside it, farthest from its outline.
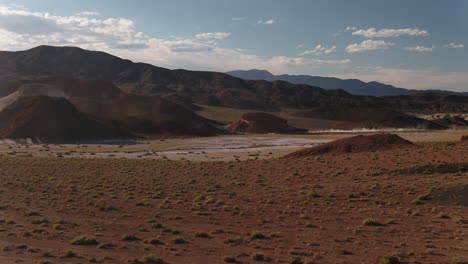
(215, 35)
(420, 48)
(386, 33)
(319, 49)
(21, 29)
(267, 22)
(369, 45)
(88, 13)
(453, 46)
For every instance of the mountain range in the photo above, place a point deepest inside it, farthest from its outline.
(200, 87)
(115, 97)
(353, 86)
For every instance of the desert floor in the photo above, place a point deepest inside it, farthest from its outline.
(220, 148)
(232, 206)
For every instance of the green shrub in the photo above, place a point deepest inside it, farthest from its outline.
(371, 222)
(296, 261)
(70, 254)
(202, 234)
(84, 241)
(229, 259)
(150, 259)
(390, 260)
(179, 240)
(257, 235)
(129, 238)
(40, 221)
(104, 246)
(153, 241)
(258, 257)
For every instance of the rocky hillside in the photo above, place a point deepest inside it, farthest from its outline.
(148, 115)
(52, 119)
(369, 117)
(10, 83)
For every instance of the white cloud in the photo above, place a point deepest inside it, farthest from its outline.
(238, 18)
(369, 45)
(267, 22)
(454, 46)
(351, 28)
(300, 46)
(384, 33)
(427, 79)
(319, 49)
(88, 13)
(20, 30)
(215, 35)
(186, 46)
(420, 48)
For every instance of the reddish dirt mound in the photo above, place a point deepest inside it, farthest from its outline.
(147, 115)
(262, 123)
(464, 140)
(457, 195)
(48, 119)
(355, 144)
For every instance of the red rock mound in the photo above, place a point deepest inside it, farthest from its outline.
(457, 195)
(355, 144)
(262, 123)
(52, 119)
(147, 115)
(464, 140)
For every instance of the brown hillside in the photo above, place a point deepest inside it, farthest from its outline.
(451, 121)
(262, 123)
(33, 89)
(369, 117)
(47, 119)
(148, 115)
(10, 83)
(355, 144)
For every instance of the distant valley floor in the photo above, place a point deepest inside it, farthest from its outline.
(218, 148)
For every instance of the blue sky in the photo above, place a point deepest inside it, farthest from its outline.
(411, 44)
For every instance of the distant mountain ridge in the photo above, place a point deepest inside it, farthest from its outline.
(115, 97)
(353, 86)
(114, 75)
(201, 87)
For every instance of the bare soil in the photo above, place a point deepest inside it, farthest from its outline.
(323, 209)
